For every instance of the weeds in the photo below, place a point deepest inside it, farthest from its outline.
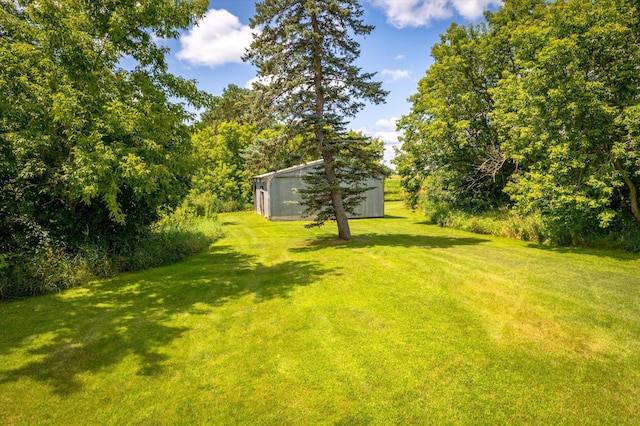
(507, 223)
(51, 268)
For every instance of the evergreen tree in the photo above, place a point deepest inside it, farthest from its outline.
(305, 55)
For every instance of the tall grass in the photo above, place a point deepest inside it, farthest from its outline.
(505, 222)
(50, 268)
(208, 205)
(501, 223)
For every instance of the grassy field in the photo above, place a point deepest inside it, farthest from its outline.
(393, 190)
(275, 324)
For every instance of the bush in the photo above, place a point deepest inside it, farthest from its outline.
(50, 268)
(43, 271)
(171, 240)
(622, 235)
(208, 205)
(500, 222)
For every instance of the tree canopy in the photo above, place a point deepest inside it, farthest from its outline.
(567, 113)
(534, 109)
(236, 104)
(90, 149)
(449, 138)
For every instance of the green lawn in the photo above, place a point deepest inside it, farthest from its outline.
(408, 324)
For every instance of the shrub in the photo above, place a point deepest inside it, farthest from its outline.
(172, 240)
(50, 268)
(500, 222)
(504, 222)
(208, 205)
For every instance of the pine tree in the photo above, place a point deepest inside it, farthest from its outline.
(305, 53)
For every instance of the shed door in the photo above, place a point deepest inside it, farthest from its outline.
(261, 202)
(266, 204)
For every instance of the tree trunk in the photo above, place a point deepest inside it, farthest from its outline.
(633, 191)
(344, 232)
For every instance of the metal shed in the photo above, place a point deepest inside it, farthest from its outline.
(273, 194)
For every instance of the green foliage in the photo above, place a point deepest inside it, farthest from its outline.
(564, 111)
(171, 240)
(305, 61)
(52, 268)
(275, 148)
(502, 223)
(270, 148)
(534, 109)
(236, 104)
(297, 90)
(220, 169)
(449, 137)
(89, 151)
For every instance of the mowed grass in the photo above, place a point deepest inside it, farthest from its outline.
(275, 324)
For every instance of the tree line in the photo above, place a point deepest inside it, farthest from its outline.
(535, 110)
(94, 155)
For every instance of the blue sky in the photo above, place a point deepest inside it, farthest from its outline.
(398, 50)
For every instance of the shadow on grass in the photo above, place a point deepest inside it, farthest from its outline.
(65, 336)
(612, 254)
(389, 216)
(389, 240)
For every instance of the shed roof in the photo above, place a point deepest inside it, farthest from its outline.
(302, 166)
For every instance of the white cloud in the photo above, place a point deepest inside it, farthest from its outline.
(219, 38)
(473, 9)
(415, 13)
(249, 84)
(257, 79)
(397, 74)
(400, 57)
(390, 138)
(387, 123)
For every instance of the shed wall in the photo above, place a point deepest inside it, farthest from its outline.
(373, 204)
(282, 195)
(275, 198)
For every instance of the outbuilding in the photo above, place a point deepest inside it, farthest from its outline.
(275, 198)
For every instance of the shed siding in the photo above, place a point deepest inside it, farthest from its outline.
(282, 196)
(277, 189)
(373, 204)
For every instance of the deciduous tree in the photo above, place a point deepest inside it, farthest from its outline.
(570, 113)
(236, 104)
(220, 173)
(90, 150)
(450, 143)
